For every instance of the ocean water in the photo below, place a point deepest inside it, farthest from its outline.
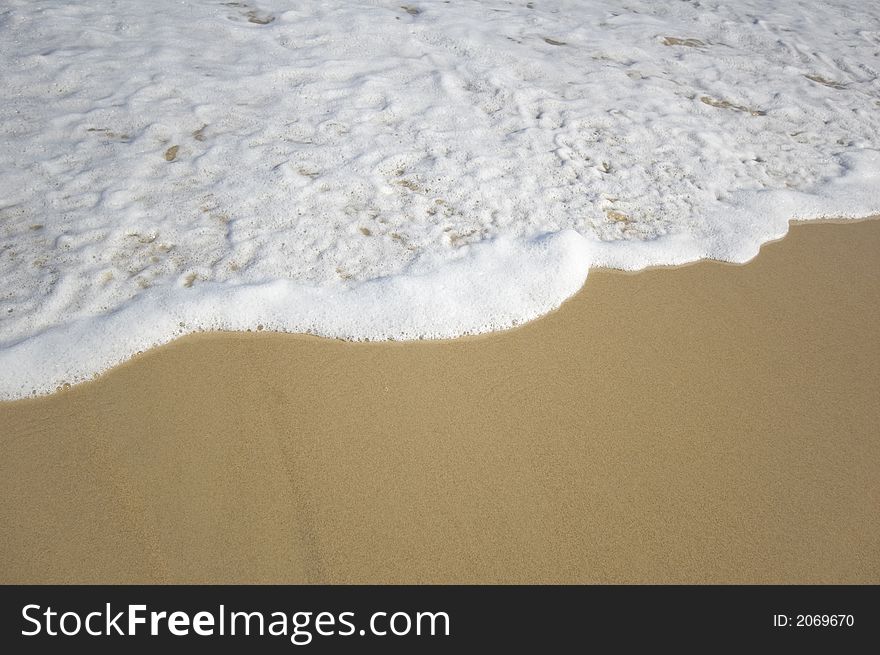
(372, 170)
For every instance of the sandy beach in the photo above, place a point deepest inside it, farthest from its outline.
(708, 423)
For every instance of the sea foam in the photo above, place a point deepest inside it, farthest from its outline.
(366, 170)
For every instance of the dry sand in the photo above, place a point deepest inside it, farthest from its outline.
(710, 423)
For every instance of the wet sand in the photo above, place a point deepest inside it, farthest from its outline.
(709, 423)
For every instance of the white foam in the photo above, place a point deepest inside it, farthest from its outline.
(358, 170)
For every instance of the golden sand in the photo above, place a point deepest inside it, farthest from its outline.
(709, 423)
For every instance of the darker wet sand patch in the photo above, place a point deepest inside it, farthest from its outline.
(688, 43)
(726, 104)
(259, 18)
(826, 82)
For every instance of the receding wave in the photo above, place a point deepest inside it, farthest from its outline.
(367, 170)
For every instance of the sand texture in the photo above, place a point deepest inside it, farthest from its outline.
(709, 423)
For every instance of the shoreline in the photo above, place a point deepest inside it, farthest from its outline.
(708, 422)
(66, 386)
